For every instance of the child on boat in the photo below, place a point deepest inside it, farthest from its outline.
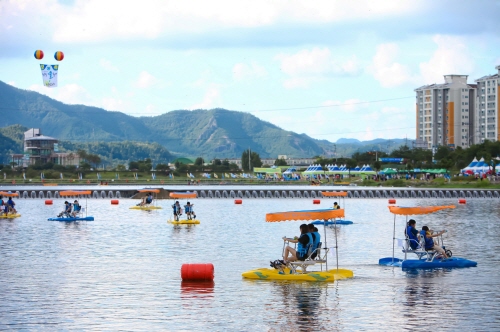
(177, 210)
(148, 199)
(10, 205)
(429, 242)
(188, 208)
(67, 210)
(76, 208)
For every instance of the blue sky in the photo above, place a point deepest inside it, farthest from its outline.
(329, 69)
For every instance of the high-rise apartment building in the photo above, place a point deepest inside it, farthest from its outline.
(444, 112)
(487, 112)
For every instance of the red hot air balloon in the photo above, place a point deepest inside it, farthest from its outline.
(39, 54)
(59, 56)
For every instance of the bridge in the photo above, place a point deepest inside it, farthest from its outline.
(256, 192)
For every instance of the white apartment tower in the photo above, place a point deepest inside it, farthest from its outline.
(487, 110)
(445, 112)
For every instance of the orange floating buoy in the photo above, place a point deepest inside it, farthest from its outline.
(115, 202)
(462, 201)
(238, 201)
(392, 201)
(316, 201)
(199, 272)
(48, 202)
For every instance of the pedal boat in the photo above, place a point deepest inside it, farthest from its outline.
(425, 259)
(151, 206)
(299, 268)
(181, 195)
(184, 222)
(80, 217)
(9, 215)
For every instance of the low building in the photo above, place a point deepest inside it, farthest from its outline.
(40, 149)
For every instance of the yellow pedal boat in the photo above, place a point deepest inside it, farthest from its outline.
(184, 222)
(274, 274)
(9, 216)
(145, 207)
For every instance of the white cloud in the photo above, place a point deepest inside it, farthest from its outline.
(386, 70)
(90, 20)
(243, 71)
(211, 99)
(308, 66)
(106, 64)
(451, 57)
(12, 83)
(145, 80)
(349, 105)
(113, 104)
(68, 94)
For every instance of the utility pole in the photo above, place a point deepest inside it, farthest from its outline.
(249, 160)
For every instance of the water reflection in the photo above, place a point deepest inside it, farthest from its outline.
(121, 271)
(200, 289)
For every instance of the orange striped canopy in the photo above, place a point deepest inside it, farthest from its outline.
(406, 211)
(6, 194)
(75, 192)
(305, 215)
(156, 191)
(182, 195)
(334, 193)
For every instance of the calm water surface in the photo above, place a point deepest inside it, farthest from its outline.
(122, 271)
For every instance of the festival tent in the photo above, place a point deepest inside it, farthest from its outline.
(388, 171)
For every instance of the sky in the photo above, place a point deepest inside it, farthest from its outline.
(329, 69)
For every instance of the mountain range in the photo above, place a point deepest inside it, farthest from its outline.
(215, 133)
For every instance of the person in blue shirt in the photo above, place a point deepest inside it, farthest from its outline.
(304, 242)
(316, 239)
(3, 206)
(188, 208)
(11, 205)
(429, 242)
(177, 210)
(412, 234)
(67, 210)
(148, 199)
(76, 208)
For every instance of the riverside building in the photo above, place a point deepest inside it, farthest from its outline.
(487, 112)
(444, 112)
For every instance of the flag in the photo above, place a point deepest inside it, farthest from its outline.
(49, 75)
(61, 175)
(153, 176)
(24, 176)
(215, 176)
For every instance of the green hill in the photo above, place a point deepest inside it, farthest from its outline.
(216, 133)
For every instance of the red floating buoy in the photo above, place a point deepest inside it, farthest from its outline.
(115, 202)
(238, 201)
(316, 201)
(462, 201)
(199, 272)
(48, 202)
(392, 201)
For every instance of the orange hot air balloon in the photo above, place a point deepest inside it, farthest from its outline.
(59, 56)
(39, 54)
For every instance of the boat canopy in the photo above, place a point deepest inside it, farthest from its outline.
(182, 195)
(406, 211)
(75, 192)
(156, 191)
(8, 194)
(305, 215)
(334, 193)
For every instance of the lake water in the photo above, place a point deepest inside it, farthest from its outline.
(122, 271)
